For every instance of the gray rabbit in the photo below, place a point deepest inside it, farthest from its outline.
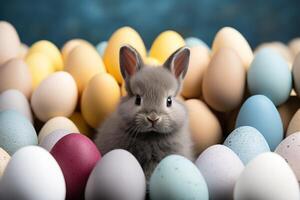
(149, 122)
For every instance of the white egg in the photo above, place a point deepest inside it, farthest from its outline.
(52, 138)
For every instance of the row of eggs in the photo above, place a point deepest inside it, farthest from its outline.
(243, 167)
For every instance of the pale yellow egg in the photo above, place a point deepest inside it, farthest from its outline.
(99, 99)
(151, 62)
(70, 45)
(120, 37)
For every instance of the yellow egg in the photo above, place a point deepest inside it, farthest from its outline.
(99, 99)
(14, 74)
(40, 67)
(4, 158)
(9, 42)
(151, 62)
(70, 45)
(204, 125)
(231, 38)
(123, 89)
(55, 96)
(79, 121)
(192, 83)
(165, 44)
(55, 124)
(124, 35)
(49, 49)
(23, 51)
(83, 63)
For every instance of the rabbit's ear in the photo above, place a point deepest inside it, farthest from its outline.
(130, 61)
(178, 62)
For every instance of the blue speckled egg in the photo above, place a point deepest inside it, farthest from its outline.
(259, 112)
(101, 47)
(247, 142)
(177, 178)
(193, 41)
(16, 131)
(269, 75)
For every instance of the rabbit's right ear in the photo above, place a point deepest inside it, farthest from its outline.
(130, 61)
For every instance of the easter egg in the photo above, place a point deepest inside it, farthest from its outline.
(82, 125)
(294, 125)
(192, 83)
(10, 42)
(289, 150)
(101, 47)
(15, 100)
(55, 96)
(294, 46)
(39, 66)
(124, 35)
(224, 81)
(55, 124)
(16, 131)
(204, 125)
(247, 142)
(50, 50)
(70, 45)
(193, 42)
(231, 38)
(264, 178)
(296, 74)
(116, 176)
(76, 155)
(23, 51)
(165, 44)
(175, 177)
(269, 75)
(53, 137)
(32, 173)
(83, 63)
(151, 62)
(287, 110)
(259, 112)
(4, 159)
(95, 105)
(14, 74)
(123, 89)
(220, 167)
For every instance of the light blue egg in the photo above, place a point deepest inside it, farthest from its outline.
(247, 142)
(177, 178)
(269, 75)
(259, 112)
(16, 131)
(101, 47)
(193, 41)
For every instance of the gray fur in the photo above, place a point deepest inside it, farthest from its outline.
(128, 128)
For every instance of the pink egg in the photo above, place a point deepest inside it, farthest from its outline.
(76, 155)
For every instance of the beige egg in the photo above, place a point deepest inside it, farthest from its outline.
(55, 96)
(199, 60)
(230, 37)
(294, 46)
(9, 42)
(224, 81)
(294, 125)
(83, 63)
(287, 110)
(4, 159)
(15, 74)
(70, 45)
(279, 47)
(23, 51)
(204, 125)
(56, 123)
(296, 74)
(99, 99)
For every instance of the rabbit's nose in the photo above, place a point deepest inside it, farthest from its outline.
(153, 117)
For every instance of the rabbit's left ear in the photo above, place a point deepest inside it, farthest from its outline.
(178, 62)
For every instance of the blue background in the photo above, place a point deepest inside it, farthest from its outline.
(95, 20)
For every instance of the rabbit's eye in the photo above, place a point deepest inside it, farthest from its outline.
(138, 100)
(169, 101)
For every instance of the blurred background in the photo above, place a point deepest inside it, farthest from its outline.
(95, 20)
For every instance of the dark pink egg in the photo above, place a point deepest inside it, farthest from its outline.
(76, 155)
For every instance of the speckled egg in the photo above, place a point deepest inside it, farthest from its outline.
(118, 175)
(220, 167)
(247, 142)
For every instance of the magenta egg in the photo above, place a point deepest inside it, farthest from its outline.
(76, 155)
